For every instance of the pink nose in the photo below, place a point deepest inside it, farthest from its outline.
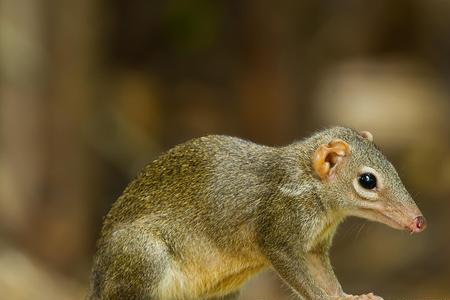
(420, 223)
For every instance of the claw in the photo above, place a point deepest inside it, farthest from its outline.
(369, 296)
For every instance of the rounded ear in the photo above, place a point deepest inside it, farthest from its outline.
(328, 156)
(367, 135)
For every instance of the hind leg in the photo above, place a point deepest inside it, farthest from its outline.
(128, 266)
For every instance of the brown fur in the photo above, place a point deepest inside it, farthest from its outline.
(209, 214)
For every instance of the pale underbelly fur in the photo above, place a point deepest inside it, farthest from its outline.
(214, 274)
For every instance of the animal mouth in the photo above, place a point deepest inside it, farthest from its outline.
(387, 219)
(394, 219)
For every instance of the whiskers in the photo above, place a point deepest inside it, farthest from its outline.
(353, 230)
(361, 227)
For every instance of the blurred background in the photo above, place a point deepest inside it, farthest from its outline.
(92, 90)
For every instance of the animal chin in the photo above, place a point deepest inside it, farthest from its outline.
(382, 217)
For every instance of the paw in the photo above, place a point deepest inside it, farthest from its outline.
(369, 296)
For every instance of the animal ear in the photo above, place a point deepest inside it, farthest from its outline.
(367, 135)
(328, 156)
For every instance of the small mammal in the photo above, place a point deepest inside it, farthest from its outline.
(209, 214)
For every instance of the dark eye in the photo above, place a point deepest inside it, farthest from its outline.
(368, 181)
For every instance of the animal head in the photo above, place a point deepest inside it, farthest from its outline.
(361, 181)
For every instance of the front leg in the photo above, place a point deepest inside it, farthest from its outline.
(319, 266)
(312, 277)
(309, 275)
(318, 262)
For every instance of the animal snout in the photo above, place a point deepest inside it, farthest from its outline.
(419, 224)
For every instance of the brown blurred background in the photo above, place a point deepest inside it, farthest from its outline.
(92, 90)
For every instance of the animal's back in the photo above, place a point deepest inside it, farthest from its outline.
(206, 171)
(167, 212)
